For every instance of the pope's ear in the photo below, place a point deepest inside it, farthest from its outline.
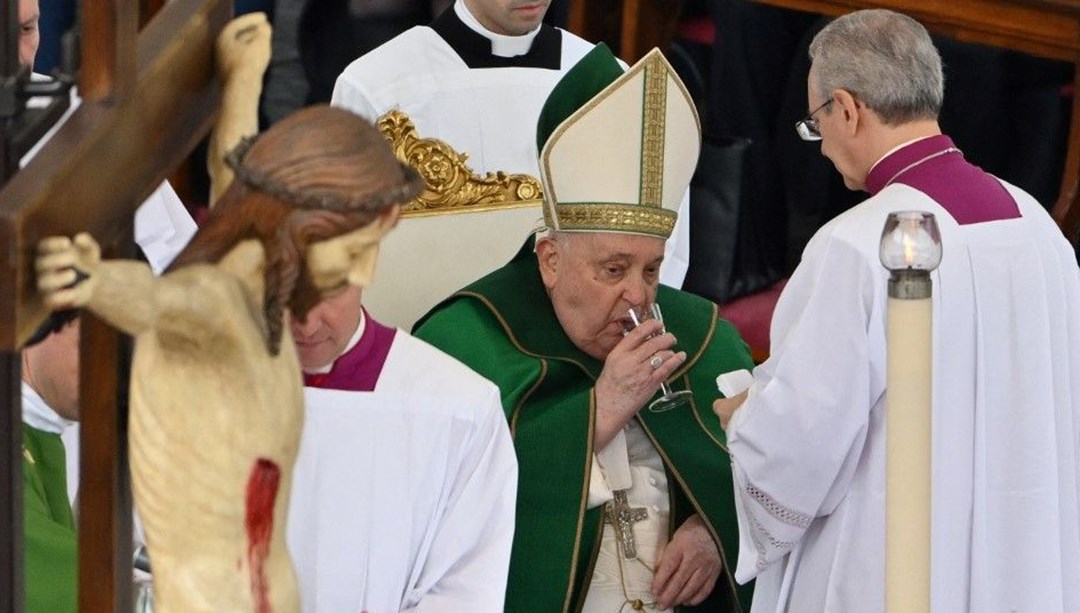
(547, 254)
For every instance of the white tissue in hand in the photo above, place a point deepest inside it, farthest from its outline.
(735, 382)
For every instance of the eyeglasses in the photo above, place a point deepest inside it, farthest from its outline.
(808, 128)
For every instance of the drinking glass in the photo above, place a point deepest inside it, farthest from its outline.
(669, 398)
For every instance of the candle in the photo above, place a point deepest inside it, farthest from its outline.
(910, 249)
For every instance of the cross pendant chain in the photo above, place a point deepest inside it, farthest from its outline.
(622, 517)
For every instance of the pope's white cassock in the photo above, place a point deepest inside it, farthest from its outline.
(480, 92)
(630, 463)
(403, 495)
(808, 446)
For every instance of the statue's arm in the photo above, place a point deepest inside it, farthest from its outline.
(243, 53)
(70, 274)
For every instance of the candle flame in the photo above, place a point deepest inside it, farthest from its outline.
(909, 250)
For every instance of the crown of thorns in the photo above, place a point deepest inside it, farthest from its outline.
(403, 192)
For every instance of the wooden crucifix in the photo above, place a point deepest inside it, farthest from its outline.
(148, 98)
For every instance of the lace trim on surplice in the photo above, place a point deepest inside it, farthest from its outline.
(760, 535)
(777, 510)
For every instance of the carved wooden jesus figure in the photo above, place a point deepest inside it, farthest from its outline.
(216, 390)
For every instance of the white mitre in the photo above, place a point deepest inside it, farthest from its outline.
(617, 150)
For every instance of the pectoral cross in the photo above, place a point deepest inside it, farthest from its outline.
(622, 517)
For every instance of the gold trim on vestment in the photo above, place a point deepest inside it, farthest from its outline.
(729, 571)
(684, 371)
(591, 433)
(525, 397)
(697, 418)
(594, 555)
(614, 217)
(653, 124)
(582, 505)
(691, 360)
(451, 186)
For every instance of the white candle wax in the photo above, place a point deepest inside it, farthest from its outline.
(907, 496)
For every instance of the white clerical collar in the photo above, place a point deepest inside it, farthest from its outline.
(898, 148)
(38, 415)
(321, 370)
(501, 44)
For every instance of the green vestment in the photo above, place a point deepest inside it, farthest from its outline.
(50, 542)
(504, 327)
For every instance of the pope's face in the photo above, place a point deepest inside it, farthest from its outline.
(29, 36)
(594, 278)
(509, 17)
(328, 328)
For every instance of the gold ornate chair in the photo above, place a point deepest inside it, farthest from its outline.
(461, 227)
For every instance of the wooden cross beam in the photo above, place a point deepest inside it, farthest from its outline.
(148, 98)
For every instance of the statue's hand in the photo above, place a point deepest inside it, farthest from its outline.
(66, 270)
(243, 47)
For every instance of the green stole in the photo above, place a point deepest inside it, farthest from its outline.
(50, 541)
(556, 538)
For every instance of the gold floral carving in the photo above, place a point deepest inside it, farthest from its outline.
(451, 184)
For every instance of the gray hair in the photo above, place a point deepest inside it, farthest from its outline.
(884, 59)
(564, 239)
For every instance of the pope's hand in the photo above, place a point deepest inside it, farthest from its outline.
(634, 370)
(688, 568)
(66, 270)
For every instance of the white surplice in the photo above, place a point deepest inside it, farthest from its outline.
(403, 498)
(488, 113)
(808, 445)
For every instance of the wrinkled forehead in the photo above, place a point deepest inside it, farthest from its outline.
(601, 246)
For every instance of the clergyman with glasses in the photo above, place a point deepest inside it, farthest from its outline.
(807, 439)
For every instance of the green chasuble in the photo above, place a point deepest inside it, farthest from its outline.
(505, 328)
(49, 536)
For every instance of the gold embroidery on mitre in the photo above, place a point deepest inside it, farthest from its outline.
(652, 132)
(450, 183)
(610, 217)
